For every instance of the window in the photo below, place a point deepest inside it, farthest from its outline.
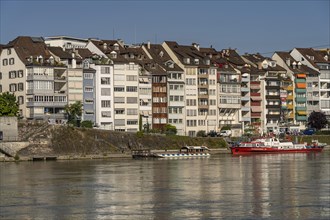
(20, 100)
(119, 100)
(120, 122)
(8, 51)
(12, 74)
(131, 99)
(131, 78)
(20, 73)
(105, 80)
(5, 62)
(132, 111)
(105, 103)
(89, 89)
(11, 61)
(88, 75)
(119, 111)
(132, 122)
(106, 114)
(89, 101)
(20, 87)
(12, 87)
(105, 91)
(0, 88)
(0, 75)
(119, 89)
(131, 88)
(105, 70)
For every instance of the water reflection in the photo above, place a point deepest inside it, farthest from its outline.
(287, 186)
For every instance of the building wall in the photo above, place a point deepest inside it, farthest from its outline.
(104, 102)
(9, 129)
(17, 78)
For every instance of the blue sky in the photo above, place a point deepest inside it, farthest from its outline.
(250, 26)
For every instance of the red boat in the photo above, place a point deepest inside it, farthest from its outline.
(273, 145)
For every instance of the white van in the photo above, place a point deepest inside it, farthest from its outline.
(225, 133)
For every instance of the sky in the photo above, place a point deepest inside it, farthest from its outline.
(263, 26)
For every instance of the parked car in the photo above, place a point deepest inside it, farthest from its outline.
(225, 133)
(309, 131)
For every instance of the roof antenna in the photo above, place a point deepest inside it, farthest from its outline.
(113, 33)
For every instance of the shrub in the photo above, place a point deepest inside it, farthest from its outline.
(201, 133)
(87, 124)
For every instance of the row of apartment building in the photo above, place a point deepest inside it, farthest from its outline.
(125, 87)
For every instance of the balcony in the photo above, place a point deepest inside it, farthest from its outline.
(45, 104)
(247, 119)
(40, 77)
(273, 116)
(203, 86)
(256, 115)
(245, 98)
(290, 106)
(273, 106)
(245, 108)
(272, 97)
(300, 90)
(301, 99)
(301, 108)
(203, 96)
(301, 118)
(290, 88)
(245, 89)
(273, 87)
(245, 79)
(290, 97)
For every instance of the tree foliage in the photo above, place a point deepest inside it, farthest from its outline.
(74, 112)
(317, 120)
(8, 104)
(170, 129)
(87, 124)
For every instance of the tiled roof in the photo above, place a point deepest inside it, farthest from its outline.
(29, 46)
(296, 69)
(160, 56)
(58, 51)
(312, 55)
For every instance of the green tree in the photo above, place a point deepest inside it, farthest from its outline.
(170, 129)
(74, 112)
(317, 120)
(8, 104)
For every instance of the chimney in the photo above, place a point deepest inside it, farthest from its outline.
(104, 46)
(148, 45)
(74, 63)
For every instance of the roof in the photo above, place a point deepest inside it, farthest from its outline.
(183, 52)
(58, 51)
(286, 57)
(160, 56)
(26, 47)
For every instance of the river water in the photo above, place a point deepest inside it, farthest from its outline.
(276, 186)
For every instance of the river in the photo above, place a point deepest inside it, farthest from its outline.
(274, 186)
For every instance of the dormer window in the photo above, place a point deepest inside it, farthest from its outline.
(186, 60)
(207, 62)
(196, 61)
(161, 54)
(113, 55)
(116, 46)
(85, 64)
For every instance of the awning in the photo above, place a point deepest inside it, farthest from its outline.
(301, 85)
(256, 98)
(255, 109)
(301, 75)
(302, 113)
